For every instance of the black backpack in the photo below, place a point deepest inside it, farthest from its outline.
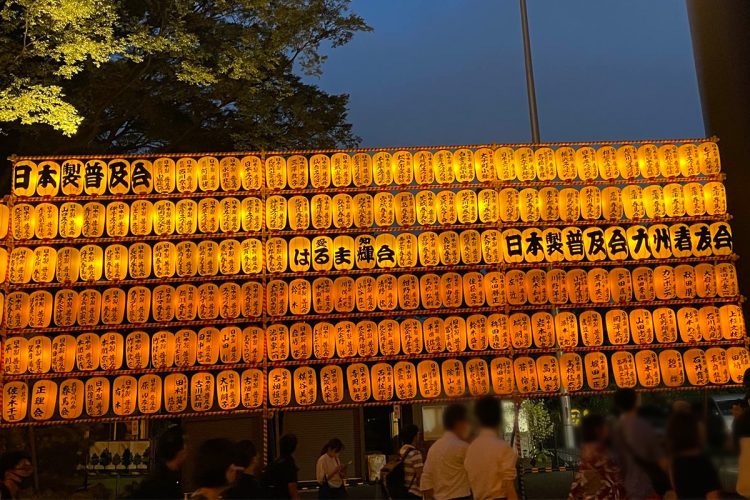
(393, 477)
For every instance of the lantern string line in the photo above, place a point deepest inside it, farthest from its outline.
(245, 277)
(693, 140)
(511, 351)
(495, 184)
(422, 401)
(380, 314)
(369, 230)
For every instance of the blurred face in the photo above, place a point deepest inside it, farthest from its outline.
(21, 473)
(463, 429)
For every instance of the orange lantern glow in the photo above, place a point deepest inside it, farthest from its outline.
(405, 380)
(501, 370)
(111, 347)
(253, 388)
(592, 329)
(332, 384)
(202, 391)
(571, 371)
(305, 386)
(185, 348)
(524, 369)
(696, 366)
(381, 375)
(671, 366)
(597, 371)
(162, 349)
(478, 377)
(301, 342)
(718, 370)
(624, 370)
(124, 395)
(42, 400)
(149, 394)
(97, 394)
(71, 398)
(548, 374)
(253, 346)
(358, 382)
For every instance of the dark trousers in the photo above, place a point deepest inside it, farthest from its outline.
(327, 491)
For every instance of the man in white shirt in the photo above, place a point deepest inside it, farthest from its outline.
(490, 462)
(444, 476)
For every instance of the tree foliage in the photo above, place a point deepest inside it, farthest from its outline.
(96, 76)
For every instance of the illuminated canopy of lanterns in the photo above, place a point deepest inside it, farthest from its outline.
(144, 286)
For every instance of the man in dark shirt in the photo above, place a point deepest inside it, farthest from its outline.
(164, 481)
(280, 477)
(246, 485)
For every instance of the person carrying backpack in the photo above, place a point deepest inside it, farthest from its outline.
(401, 478)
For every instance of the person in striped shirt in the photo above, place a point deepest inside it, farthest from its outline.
(412, 460)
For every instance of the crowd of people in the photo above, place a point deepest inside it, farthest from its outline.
(620, 457)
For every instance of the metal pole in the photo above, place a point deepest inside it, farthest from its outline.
(530, 87)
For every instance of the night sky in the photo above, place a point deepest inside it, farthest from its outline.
(451, 71)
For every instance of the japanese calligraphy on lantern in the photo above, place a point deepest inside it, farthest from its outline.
(139, 286)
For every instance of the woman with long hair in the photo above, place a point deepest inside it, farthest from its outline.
(329, 471)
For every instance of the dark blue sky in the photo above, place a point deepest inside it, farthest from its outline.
(451, 71)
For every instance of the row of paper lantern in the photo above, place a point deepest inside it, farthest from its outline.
(368, 339)
(385, 292)
(342, 211)
(320, 171)
(164, 259)
(304, 386)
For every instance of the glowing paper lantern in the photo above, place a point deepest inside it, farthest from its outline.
(40, 309)
(164, 217)
(149, 394)
(643, 284)
(230, 350)
(363, 210)
(299, 297)
(423, 168)
(48, 179)
(305, 386)
(202, 391)
(332, 384)
(664, 283)
(529, 205)
(141, 217)
(111, 347)
(694, 199)
(277, 342)
(525, 374)
(24, 221)
(476, 332)
(708, 158)
(543, 330)
(405, 380)
(718, 370)
(97, 395)
(39, 354)
(732, 322)
(598, 284)
(597, 371)
(408, 291)
(696, 366)
(301, 342)
(343, 292)
(368, 339)
(137, 350)
(116, 262)
(324, 341)
(389, 337)
(585, 160)
(163, 171)
(275, 172)
(139, 302)
(15, 400)
(454, 380)
(71, 220)
(63, 353)
(42, 400)
(92, 257)
(689, 324)
(478, 377)
(665, 325)
(738, 361)
(592, 329)
(175, 392)
(671, 366)
(576, 281)
(17, 310)
(124, 395)
(571, 371)
(445, 203)
(229, 257)
(620, 285)
(381, 375)
(606, 160)
(253, 346)
(228, 389)
(624, 370)
(185, 348)
(15, 355)
(253, 388)
(715, 197)
(726, 279)
(46, 222)
(411, 336)
(277, 297)
(162, 303)
(535, 285)
(618, 327)
(591, 203)
(653, 201)
(358, 382)
(455, 334)
(685, 284)
(548, 374)
(433, 330)
(162, 349)
(710, 323)
(118, 219)
(501, 370)
(347, 339)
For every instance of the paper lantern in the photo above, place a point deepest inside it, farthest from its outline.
(411, 336)
(566, 329)
(63, 353)
(576, 282)
(494, 289)
(228, 386)
(721, 238)
(571, 371)
(618, 327)
(408, 291)
(665, 325)
(732, 322)
(528, 200)
(664, 283)
(597, 371)
(137, 350)
(716, 361)
(299, 297)
(124, 395)
(163, 172)
(39, 355)
(543, 330)
(322, 215)
(252, 214)
(738, 361)
(15, 401)
(162, 349)
(592, 329)
(362, 169)
(598, 284)
(186, 302)
(70, 222)
(363, 210)
(535, 285)
(320, 171)
(455, 334)
(549, 204)
(17, 310)
(514, 287)
(149, 394)
(632, 200)
(23, 221)
(606, 161)
(556, 289)
(433, 330)
(92, 257)
(726, 279)
(525, 374)
(687, 156)
(42, 400)
(25, 175)
(297, 170)
(406, 250)
(15, 355)
(591, 203)
(689, 324)
(661, 247)
(40, 309)
(509, 205)
(343, 253)
(463, 165)
(643, 284)
(696, 366)
(230, 350)
(202, 391)
(501, 370)
(251, 256)
(612, 207)
(471, 247)
(46, 221)
(305, 386)
(708, 158)
(548, 374)
(405, 380)
(118, 219)
(387, 292)
(368, 338)
(116, 262)
(671, 366)
(301, 340)
(445, 204)
(277, 342)
(97, 394)
(638, 242)
(429, 289)
(715, 197)
(685, 284)
(523, 158)
(442, 163)
(113, 306)
(476, 332)
(341, 169)
(423, 167)
(381, 169)
(504, 164)
(253, 388)
(694, 199)
(209, 215)
(253, 346)
(332, 384)
(68, 264)
(585, 161)
(230, 300)
(21, 268)
(544, 164)
(185, 348)
(323, 295)
(88, 352)
(624, 370)
(275, 172)
(381, 375)
(389, 337)
(164, 217)
(208, 346)
(453, 378)
(343, 292)
(478, 377)
(347, 339)
(324, 340)
(139, 304)
(641, 326)
(343, 210)
(653, 201)
(141, 217)
(277, 297)
(111, 347)
(466, 206)
(48, 178)
(620, 285)
(175, 392)
(710, 323)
